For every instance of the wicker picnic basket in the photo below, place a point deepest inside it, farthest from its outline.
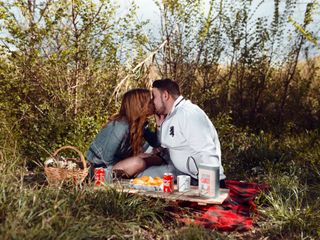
(56, 175)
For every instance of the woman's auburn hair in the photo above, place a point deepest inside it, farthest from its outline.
(135, 109)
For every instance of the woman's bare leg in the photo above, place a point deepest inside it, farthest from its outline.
(132, 166)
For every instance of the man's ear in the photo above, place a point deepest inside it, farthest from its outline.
(166, 95)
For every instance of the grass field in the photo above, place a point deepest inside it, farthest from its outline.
(30, 209)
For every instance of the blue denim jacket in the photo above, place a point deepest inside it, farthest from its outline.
(112, 143)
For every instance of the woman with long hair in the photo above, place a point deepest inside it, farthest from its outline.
(121, 142)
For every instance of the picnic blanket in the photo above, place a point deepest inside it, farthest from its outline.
(235, 213)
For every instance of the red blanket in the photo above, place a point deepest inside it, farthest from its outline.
(235, 213)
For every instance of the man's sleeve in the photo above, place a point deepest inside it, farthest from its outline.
(200, 134)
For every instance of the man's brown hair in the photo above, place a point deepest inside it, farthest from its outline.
(167, 85)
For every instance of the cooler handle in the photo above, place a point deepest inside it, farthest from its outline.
(188, 166)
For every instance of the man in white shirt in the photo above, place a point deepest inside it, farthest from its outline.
(185, 130)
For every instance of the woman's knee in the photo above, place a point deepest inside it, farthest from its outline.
(139, 164)
(132, 166)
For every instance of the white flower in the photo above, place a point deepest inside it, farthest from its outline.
(49, 161)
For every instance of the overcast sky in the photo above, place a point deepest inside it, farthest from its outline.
(148, 10)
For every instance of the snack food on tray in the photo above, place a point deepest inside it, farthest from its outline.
(147, 183)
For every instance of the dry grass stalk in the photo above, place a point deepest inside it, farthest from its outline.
(136, 68)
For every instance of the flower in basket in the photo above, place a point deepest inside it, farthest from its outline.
(72, 165)
(61, 163)
(59, 169)
(49, 162)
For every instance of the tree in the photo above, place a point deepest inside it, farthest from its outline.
(63, 60)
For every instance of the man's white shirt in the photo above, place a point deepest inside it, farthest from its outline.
(188, 133)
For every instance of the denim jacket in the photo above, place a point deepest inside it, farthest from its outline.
(112, 143)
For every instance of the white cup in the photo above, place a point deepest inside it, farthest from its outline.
(183, 182)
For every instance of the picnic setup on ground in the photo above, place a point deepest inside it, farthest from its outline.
(226, 209)
(157, 187)
(179, 161)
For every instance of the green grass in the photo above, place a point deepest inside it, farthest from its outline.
(30, 209)
(290, 211)
(71, 213)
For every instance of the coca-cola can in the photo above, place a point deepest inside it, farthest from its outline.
(99, 176)
(168, 180)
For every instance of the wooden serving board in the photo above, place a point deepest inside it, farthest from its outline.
(191, 196)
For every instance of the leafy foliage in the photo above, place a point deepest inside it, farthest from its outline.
(229, 60)
(61, 61)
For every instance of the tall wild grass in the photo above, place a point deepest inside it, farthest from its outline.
(30, 209)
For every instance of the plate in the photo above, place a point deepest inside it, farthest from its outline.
(146, 187)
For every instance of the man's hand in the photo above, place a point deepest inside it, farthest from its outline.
(156, 150)
(159, 119)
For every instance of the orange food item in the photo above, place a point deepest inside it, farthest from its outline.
(147, 181)
(137, 181)
(145, 178)
(157, 179)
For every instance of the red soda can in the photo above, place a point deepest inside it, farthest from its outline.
(168, 183)
(98, 176)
